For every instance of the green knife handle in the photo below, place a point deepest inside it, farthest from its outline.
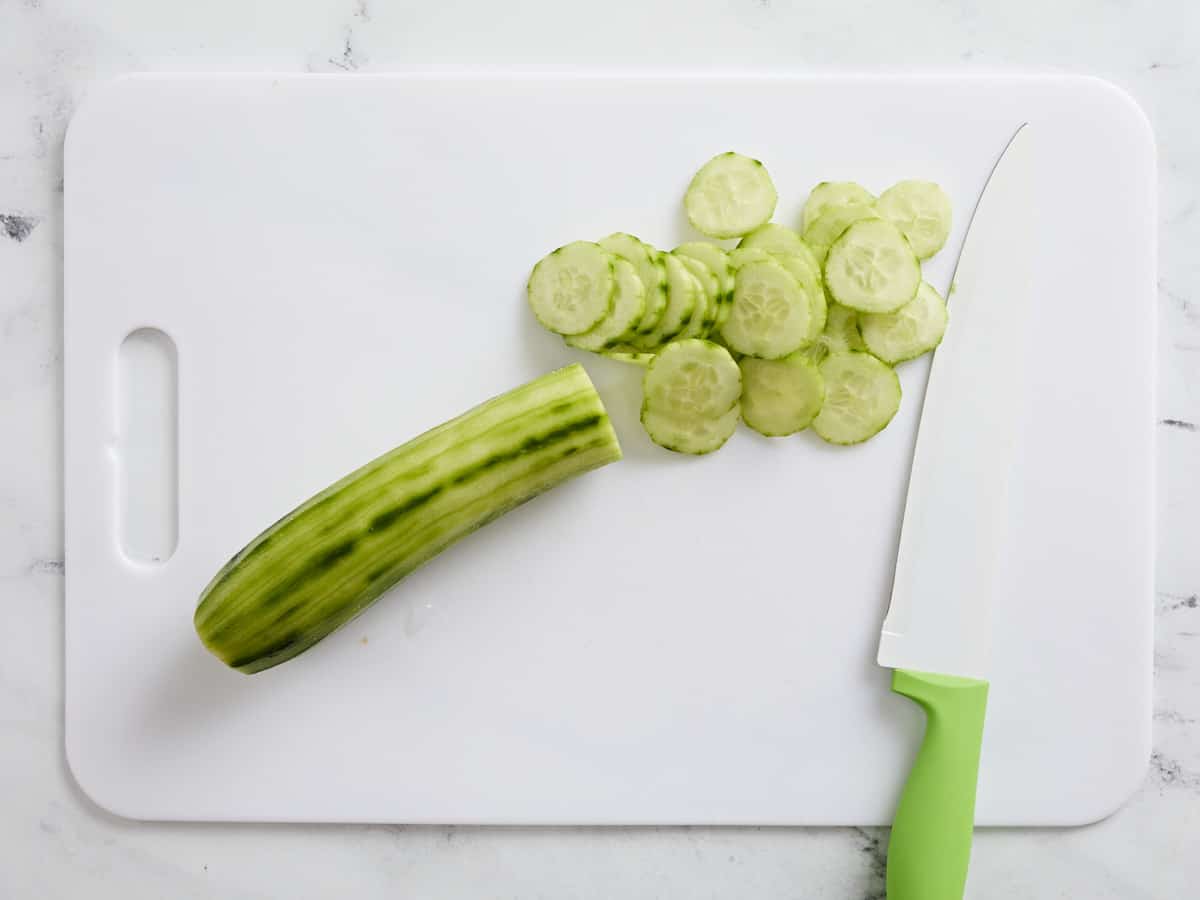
(931, 835)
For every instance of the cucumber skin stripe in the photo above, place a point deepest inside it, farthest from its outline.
(334, 555)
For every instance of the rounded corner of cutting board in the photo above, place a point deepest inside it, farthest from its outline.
(95, 109)
(93, 785)
(1119, 103)
(1126, 779)
(1122, 99)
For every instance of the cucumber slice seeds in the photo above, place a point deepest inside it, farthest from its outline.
(781, 396)
(730, 196)
(771, 312)
(629, 302)
(872, 268)
(801, 267)
(915, 328)
(922, 212)
(861, 396)
(689, 435)
(571, 290)
(690, 397)
(693, 379)
(792, 330)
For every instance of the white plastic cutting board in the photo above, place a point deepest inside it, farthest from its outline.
(340, 262)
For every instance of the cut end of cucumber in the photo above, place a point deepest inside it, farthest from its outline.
(862, 395)
(730, 196)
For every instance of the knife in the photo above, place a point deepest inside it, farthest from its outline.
(936, 635)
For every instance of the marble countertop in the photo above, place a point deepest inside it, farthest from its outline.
(54, 843)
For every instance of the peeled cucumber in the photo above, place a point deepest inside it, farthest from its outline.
(335, 554)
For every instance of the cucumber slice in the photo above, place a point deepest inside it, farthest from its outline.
(771, 313)
(841, 330)
(629, 302)
(718, 261)
(700, 313)
(810, 281)
(922, 212)
(806, 253)
(743, 256)
(774, 238)
(872, 268)
(649, 269)
(694, 435)
(804, 258)
(781, 396)
(683, 293)
(830, 225)
(862, 395)
(915, 328)
(730, 196)
(571, 289)
(629, 356)
(692, 379)
(705, 316)
(829, 194)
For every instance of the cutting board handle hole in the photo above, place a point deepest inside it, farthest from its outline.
(147, 446)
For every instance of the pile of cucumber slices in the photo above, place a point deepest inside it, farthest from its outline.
(789, 329)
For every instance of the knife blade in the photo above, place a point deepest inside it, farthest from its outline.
(937, 632)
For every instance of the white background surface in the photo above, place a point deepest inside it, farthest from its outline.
(54, 844)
